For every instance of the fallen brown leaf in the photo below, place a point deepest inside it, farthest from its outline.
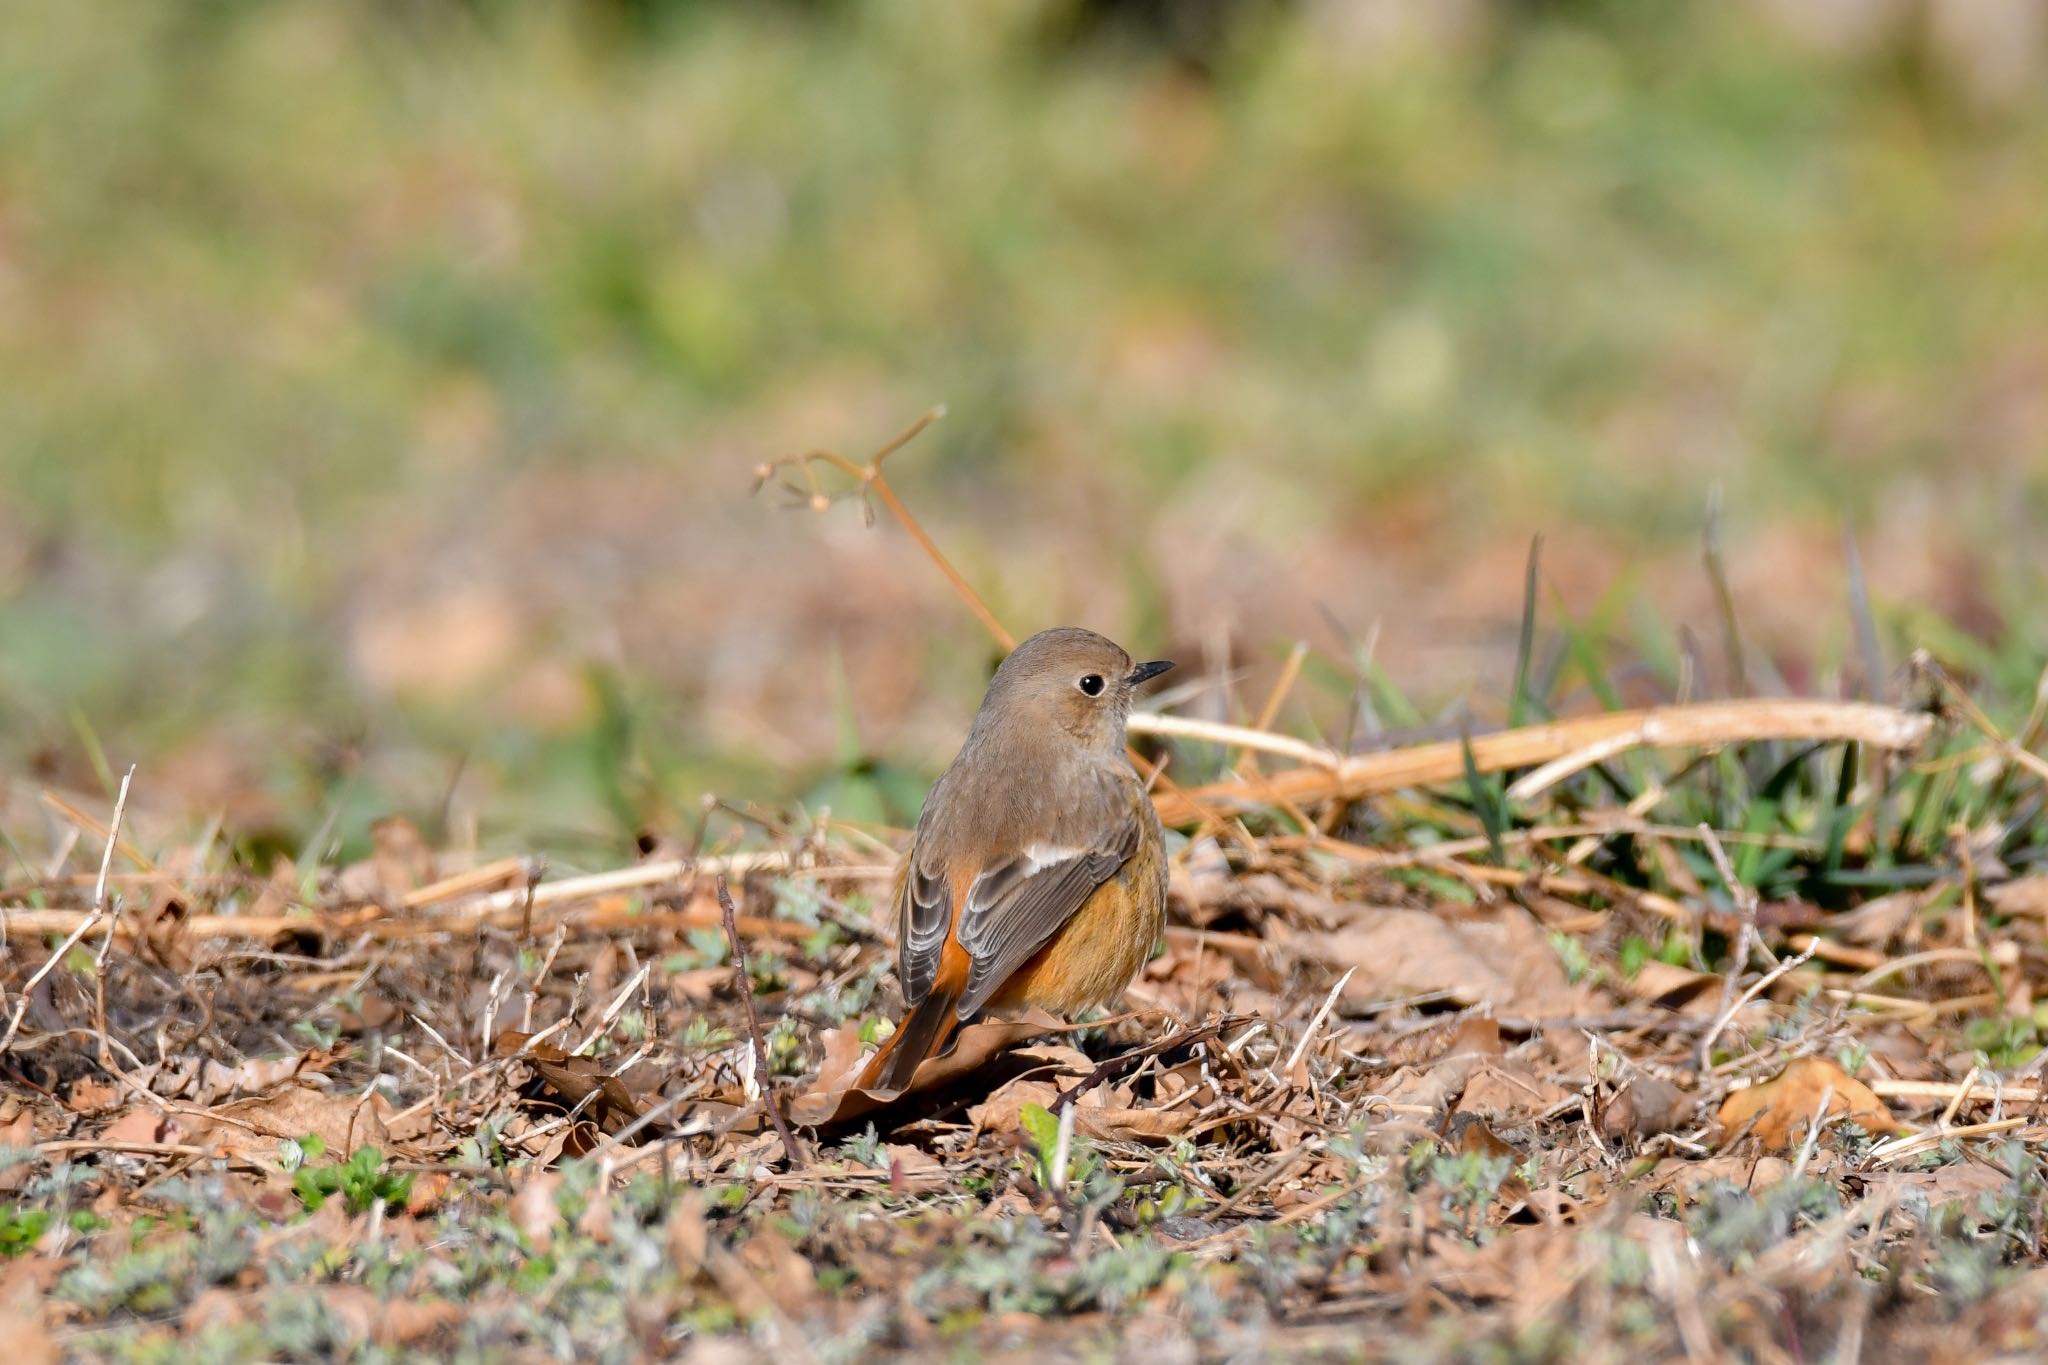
(572, 1080)
(2021, 896)
(1437, 1086)
(534, 1211)
(1536, 1264)
(27, 1336)
(1478, 1034)
(1506, 963)
(91, 1096)
(253, 1127)
(1094, 1118)
(687, 1237)
(779, 1269)
(374, 1012)
(20, 1131)
(140, 1124)
(913, 1168)
(1877, 923)
(1469, 1135)
(1643, 1108)
(1784, 1107)
(1661, 983)
(1509, 1093)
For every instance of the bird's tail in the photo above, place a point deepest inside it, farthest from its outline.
(921, 1034)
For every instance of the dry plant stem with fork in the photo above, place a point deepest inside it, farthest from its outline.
(100, 914)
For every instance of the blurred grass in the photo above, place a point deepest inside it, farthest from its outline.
(310, 314)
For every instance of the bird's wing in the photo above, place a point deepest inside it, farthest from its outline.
(924, 912)
(1019, 902)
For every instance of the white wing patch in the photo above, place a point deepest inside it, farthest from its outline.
(1035, 858)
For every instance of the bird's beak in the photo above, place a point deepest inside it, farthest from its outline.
(1144, 672)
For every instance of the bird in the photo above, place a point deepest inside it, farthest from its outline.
(1036, 875)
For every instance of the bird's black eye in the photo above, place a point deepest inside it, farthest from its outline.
(1091, 683)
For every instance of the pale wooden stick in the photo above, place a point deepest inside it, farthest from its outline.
(1534, 784)
(627, 879)
(1699, 724)
(1948, 1115)
(1285, 684)
(1950, 1090)
(1899, 1148)
(464, 914)
(1308, 1034)
(1841, 954)
(1902, 1006)
(1893, 966)
(485, 878)
(1237, 736)
(613, 1010)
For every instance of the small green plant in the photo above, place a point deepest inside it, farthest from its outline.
(362, 1181)
(834, 1004)
(785, 1048)
(863, 1149)
(317, 1033)
(1634, 955)
(1571, 952)
(1468, 1182)
(633, 1026)
(2006, 1040)
(1172, 1201)
(1042, 1126)
(710, 946)
(701, 1035)
(21, 1228)
(820, 942)
(485, 1146)
(796, 900)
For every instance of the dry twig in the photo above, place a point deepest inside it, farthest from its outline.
(84, 927)
(745, 983)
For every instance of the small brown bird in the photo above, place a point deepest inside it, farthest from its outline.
(1036, 876)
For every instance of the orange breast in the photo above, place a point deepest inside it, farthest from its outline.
(1097, 953)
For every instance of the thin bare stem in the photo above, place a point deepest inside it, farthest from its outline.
(1763, 983)
(99, 906)
(869, 476)
(72, 940)
(746, 989)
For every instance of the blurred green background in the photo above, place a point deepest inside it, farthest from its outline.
(381, 385)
